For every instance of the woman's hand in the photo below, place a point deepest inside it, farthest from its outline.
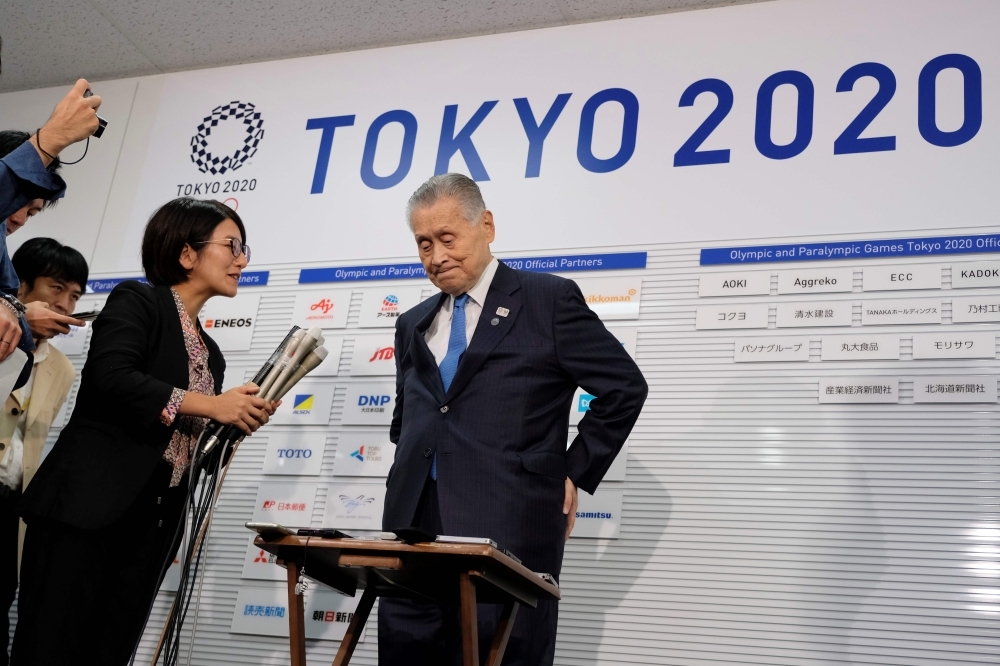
(240, 407)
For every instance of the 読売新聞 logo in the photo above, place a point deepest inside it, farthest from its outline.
(227, 158)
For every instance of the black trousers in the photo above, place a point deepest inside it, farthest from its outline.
(415, 634)
(85, 594)
(8, 562)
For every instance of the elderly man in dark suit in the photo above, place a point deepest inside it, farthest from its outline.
(485, 376)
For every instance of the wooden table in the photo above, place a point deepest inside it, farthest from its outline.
(459, 575)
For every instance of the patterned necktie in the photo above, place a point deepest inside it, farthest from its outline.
(456, 347)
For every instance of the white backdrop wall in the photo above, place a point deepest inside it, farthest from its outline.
(757, 521)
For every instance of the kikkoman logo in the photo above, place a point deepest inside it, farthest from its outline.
(205, 160)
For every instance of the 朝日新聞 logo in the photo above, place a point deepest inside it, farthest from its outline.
(230, 157)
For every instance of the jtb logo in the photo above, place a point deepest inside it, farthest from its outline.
(383, 354)
(584, 404)
(303, 404)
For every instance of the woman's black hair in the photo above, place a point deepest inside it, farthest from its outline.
(47, 257)
(183, 221)
(11, 140)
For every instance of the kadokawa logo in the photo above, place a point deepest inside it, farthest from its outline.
(231, 160)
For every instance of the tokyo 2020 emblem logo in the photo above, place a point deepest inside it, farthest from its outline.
(244, 112)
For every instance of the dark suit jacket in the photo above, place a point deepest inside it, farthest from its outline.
(113, 442)
(500, 432)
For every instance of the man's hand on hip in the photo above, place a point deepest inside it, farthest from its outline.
(570, 504)
(10, 332)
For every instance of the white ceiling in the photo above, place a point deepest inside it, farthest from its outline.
(54, 42)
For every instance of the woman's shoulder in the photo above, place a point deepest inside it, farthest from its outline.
(133, 299)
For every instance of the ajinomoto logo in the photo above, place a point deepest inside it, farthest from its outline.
(231, 157)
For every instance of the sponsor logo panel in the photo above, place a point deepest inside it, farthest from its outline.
(599, 515)
(363, 454)
(369, 404)
(231, 321)
(354, 506)
(309, 403)
(374, 355)
(326, 308)
(613, 298)
(289, 504)
(381, 306)
(258, 564)
(294, 453)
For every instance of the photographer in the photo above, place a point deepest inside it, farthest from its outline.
(27, 174)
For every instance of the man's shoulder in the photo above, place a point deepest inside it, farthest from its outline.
(540, 284)
(418, 311)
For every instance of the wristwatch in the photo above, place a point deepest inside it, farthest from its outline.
(14, 304)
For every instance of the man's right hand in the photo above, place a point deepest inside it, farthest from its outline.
(241, 408)
(74, 119)
(10, 332)
(45, 323)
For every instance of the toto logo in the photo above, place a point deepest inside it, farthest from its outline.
(231, 161)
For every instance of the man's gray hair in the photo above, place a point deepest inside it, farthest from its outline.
(454, 185)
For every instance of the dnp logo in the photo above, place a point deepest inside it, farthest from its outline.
(303, 404)
(373, 403)
(233, 156)
(584, 403)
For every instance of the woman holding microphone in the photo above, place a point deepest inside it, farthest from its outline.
(104, 508)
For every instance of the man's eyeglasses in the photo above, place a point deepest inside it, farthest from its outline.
(235, 244)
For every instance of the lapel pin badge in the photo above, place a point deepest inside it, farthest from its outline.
(494, 321)
(503, 312)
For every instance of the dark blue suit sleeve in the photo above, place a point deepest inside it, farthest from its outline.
(23, 177)
(397, 412)
(592, 357)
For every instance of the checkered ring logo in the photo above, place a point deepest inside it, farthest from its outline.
(238, 111)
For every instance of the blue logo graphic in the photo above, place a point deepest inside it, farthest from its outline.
(584, 404)
(352, 503)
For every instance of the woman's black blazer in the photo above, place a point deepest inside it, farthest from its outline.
(115, 439)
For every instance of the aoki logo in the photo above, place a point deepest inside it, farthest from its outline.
(237, 157)
(353, 503)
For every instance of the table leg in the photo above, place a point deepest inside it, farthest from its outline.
(504, 627)
(296, 618)
(355, 628)
(470, 622)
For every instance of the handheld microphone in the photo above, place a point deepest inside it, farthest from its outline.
(286, 356)
(312, 361)
(309, 341)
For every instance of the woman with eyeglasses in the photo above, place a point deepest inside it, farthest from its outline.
(104, 508)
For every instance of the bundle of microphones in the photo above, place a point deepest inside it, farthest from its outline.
(299, 353)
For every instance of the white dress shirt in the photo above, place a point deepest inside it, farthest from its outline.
(438, 334)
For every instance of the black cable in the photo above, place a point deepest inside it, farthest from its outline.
(38, 140)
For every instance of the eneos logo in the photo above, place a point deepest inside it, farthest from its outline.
(354, 503)
(303, 404)
(374, 403)
(235, 155)
(584, 404)
(241, 322)
(383, 354)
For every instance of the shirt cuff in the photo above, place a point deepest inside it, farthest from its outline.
(27, 165)
(173, 407)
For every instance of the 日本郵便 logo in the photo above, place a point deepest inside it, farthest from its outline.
(353, 503)
(303, 404)
(227, 158)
